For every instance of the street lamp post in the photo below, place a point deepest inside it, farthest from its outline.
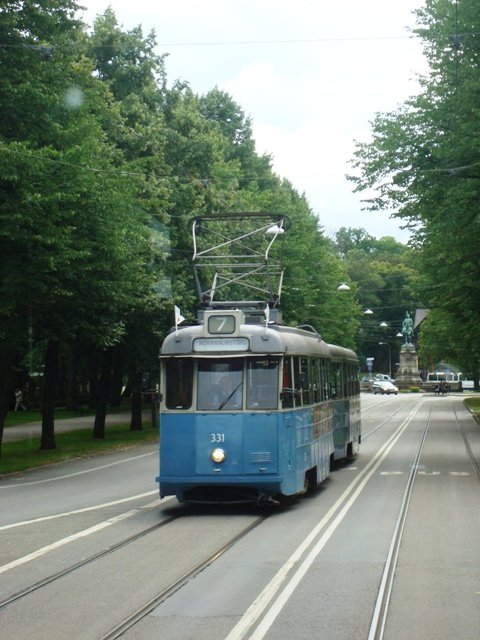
(389, 356)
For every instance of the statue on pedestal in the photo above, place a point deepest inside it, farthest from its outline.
(407, 330)
(408, 374)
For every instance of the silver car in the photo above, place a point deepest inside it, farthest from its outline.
(384, 386)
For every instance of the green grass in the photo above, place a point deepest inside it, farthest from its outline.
(24, 417)
(474, 405)
(25, 454)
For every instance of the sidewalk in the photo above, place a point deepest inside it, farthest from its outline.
(34, 429)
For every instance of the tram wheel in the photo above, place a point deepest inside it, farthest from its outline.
(333, 464)
(310, 481)
(306, 485)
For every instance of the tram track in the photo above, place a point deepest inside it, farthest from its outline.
(382, 602)
(165, 593)
(137, 615)
(86, 561)
(379, 426)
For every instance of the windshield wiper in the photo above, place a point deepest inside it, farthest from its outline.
(230, 396)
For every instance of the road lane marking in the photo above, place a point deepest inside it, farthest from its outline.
(344, 503)
(77, 473)
(60, 543)
(76, 511)
(76, 536)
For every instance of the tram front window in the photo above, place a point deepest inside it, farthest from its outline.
(262, 383)
(219, 385)
(179, 374)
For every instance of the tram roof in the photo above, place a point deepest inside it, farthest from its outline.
(342, 352)
(274, 339)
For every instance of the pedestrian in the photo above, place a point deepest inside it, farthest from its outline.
(19, 400)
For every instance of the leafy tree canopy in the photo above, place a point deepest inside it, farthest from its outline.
(423, 162)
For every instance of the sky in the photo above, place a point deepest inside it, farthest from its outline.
(310, 74)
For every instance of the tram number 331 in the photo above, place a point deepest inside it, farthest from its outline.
(217, 437)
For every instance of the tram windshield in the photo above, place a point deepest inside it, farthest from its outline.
(220, 384)
(223, 384)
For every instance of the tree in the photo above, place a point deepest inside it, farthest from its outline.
(384, 275)
(126, 62)
(424, 161)
(71, 231)
(33, 85)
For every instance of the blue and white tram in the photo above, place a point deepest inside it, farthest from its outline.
(253, 412)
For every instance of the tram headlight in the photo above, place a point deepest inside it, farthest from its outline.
(217, 456)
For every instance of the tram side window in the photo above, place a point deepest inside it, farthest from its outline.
(179, 379)
(350, 387)
(288, 392)
(316, 380)
(353, 383)
(335, 388)
(262, 383)
(344, 382)
(306, 381)
(324, 377)
(300, 369)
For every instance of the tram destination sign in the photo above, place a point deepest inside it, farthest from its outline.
(220, 344)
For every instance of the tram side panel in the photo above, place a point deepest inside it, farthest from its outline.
(355, 424)
(346, 427)
(323, 435)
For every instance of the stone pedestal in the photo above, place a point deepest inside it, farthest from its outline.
(408, 374)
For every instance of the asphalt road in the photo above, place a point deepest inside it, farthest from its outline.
(311, 570)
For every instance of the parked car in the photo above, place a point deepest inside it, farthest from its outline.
(384, 386)
(383, 376)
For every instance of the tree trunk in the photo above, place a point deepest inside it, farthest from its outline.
(92, 378)
(117, 376)
(71, 400)
(7, 358)
(50, 382)
(103, 393)
(136, 421)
